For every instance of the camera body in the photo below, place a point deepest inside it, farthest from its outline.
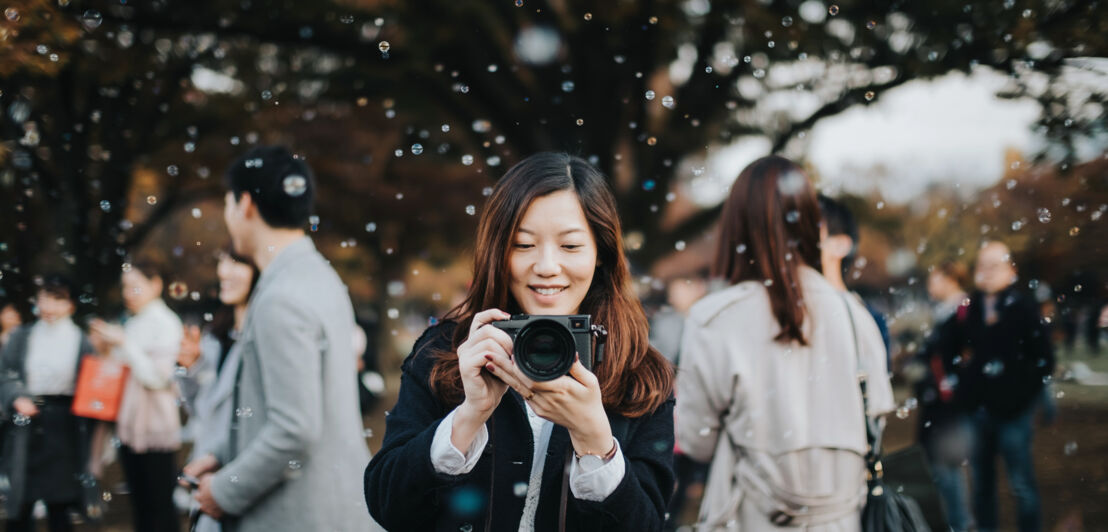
(544, 347)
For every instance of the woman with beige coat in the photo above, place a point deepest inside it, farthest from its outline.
(768, 386)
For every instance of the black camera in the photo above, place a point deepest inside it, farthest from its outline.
(544, 346)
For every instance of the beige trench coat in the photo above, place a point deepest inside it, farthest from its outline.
(781, 423)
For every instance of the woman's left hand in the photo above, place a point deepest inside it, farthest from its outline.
(573, 401)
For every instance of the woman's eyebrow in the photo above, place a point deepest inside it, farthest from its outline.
(566, 232)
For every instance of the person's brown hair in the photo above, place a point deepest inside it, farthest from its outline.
(955, 271)
(634, 378)
(769, 227)
(150, 267)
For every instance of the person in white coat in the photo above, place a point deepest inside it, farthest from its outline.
(149, 424)
(767, 387)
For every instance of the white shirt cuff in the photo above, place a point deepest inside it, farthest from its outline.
(597, 484)
(446, 458)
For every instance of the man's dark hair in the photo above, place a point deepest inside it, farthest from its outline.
(838, 218)
(840, 221)
(59, 286)
(150, 267)
(279, 183)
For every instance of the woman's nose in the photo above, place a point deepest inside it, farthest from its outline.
(547, 263)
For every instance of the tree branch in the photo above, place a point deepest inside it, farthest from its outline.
(848, 99)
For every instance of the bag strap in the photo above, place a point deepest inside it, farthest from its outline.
(492, 473)
(873, 431)
(565, 490)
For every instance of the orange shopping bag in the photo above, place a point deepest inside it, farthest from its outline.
(99, 388)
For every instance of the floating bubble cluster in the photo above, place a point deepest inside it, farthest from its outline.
(295, 185)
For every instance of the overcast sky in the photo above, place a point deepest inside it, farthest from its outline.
(951, 130)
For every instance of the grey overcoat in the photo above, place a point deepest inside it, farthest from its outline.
(297, 447)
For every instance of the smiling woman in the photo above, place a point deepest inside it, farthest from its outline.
(584, 451)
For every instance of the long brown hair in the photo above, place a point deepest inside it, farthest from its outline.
(634, 378)
(770, 226)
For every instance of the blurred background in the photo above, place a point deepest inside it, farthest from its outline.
(940, 124)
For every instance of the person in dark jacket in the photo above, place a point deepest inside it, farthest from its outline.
(473, 443)
(1011, 358)
(945, 430)
(45, 447)
(838, 248)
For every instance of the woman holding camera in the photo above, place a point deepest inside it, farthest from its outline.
(768, 383)
(474, 443)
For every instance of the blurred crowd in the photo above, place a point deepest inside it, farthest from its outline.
(138, 390)
(169, 398)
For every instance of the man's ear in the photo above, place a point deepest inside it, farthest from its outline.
(839, 246)
(247, 206)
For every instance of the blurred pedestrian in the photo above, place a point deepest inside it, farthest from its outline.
(371, 384)
(838, 248)
(1011, 357)
(768, 385)
(590, 450)
(666, 327)
(296, 431)
(10, 320)
(1079, 305)
(45, 447)
(149, 423)
(668, 321)
(211, 365)
(945, 429)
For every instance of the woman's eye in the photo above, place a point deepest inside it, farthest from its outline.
(523, 246)
(572, 246)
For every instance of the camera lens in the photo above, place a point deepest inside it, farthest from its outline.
(544, 350)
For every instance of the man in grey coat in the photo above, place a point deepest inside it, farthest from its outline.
(296, 447)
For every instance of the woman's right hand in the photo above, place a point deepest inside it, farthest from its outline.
(483, 390)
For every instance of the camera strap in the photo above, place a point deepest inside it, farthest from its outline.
(601, 334)
(565, 490)
(492, 473)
